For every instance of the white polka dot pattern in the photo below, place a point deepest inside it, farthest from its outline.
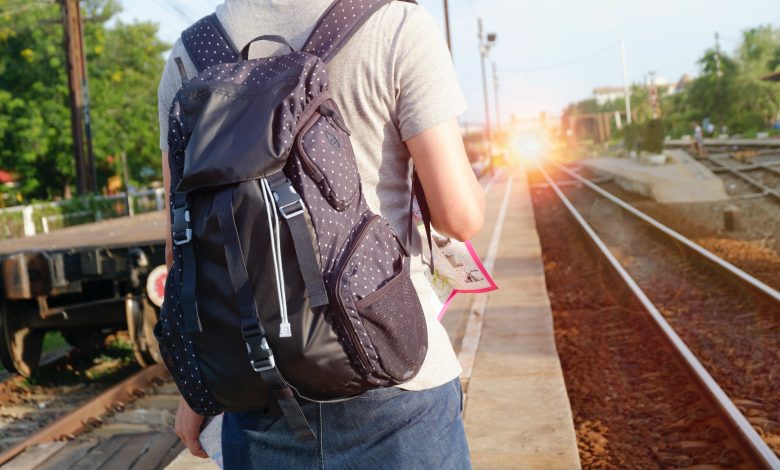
(338, 24)
(206, 45)
(374, 308)
(328, 158)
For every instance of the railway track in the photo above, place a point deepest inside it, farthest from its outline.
(754, 179)
(126, 426)
(717, 321)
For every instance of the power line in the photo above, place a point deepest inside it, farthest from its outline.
(562, 63)
(177, 8)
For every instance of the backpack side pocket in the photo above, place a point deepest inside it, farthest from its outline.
(378, 312)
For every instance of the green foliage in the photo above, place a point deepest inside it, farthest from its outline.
(653, 141)
(728, 91)
(631, 137)
(123, 68)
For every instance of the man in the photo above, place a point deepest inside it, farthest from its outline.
(698, 140)
(396, 85)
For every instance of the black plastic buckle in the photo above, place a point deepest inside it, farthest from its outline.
(260, 356)
(180, 227)
(287, 200)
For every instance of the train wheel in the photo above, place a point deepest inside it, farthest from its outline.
(141, 318)
(20, 345)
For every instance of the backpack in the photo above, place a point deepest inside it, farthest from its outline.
(285, 285)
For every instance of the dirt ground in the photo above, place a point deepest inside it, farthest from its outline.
(754, 247)
(634, 405)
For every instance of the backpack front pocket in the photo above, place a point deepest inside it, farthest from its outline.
(326, 155)
(377, 311)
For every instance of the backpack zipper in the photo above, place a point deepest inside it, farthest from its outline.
(332, 117)
(356, 343)
(309, 166)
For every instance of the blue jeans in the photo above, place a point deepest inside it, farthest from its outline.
(386, 428)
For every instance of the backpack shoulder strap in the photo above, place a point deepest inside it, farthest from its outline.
(339, 23)
(207, 43)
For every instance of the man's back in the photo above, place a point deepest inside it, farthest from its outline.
(395, 85)
(392, 80)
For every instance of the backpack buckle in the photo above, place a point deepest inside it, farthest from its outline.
(260, 356)
(295, 209)
(180, 227)
(287, 199)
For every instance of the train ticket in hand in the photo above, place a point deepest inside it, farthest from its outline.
(211, 439)
(457, 267)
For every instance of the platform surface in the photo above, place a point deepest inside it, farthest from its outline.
(682, 179)
(141, 229)
(517, 410)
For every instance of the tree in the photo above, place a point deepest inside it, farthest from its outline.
(123, 66)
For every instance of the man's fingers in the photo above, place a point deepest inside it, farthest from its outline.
(193, 444)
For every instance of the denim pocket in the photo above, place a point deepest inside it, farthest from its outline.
(459, 392)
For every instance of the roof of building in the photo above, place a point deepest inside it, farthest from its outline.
(605, 90)
(6, 177)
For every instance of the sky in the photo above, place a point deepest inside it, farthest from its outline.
(550, 53)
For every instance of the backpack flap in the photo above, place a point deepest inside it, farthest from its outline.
(241, 117)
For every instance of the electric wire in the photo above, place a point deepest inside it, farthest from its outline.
(176, 8)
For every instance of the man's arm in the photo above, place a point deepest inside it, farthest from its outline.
(454, 195)
(188, 423)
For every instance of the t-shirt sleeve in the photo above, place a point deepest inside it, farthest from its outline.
(426, 86)
(170, 83)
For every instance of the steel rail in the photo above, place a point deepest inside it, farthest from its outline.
(765, 289)
(78, 420)
(751, 439)
(740, 174)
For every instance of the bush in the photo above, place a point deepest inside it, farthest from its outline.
(654, 134)
(631, 137)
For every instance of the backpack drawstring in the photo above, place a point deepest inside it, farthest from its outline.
(276, 250)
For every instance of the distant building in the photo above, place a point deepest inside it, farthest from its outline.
(682, 84)
(605, 94)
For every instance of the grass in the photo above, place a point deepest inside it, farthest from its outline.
(113, 363)
(53, 341)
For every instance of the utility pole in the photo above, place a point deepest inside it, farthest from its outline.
(126, 181)
(626, 87)
(484, 50)
(495, 97)
(86, 180)
(718, 68)
(447, 24)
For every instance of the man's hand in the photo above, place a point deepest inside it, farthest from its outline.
(188, 424)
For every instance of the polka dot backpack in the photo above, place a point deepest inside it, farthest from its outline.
(285, 285)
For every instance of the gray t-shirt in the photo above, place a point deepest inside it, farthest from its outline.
(393, 80)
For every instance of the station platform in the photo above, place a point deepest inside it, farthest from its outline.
(517, 411)
(681, 179)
